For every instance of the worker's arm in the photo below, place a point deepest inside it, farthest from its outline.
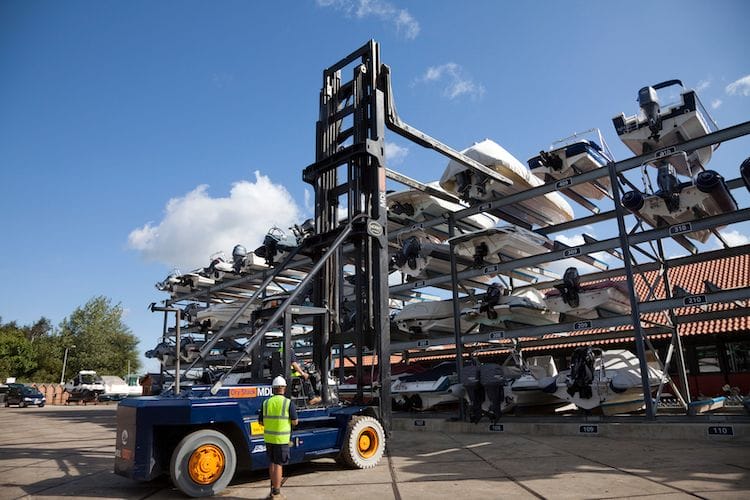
(299, 369)
(293, 414)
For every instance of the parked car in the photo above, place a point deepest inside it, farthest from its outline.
(24, 396)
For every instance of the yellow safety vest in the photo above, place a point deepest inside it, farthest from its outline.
(276, 423)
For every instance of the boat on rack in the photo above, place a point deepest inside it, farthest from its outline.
(418, 254)
(423, 391)
(500, 244)
(659, 126)
(500, 308)
(682, 202)
(413, 206)
(608, 381)
(217, 315)
(596, 300)
(475, 187)
(434, 317)
(573, 156)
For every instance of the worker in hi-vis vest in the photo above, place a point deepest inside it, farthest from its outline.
(307, 380)
(277, 414)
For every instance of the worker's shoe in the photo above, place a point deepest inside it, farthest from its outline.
(314, 401)
(277, 496)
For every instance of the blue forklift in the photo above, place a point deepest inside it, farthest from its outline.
(200, 434)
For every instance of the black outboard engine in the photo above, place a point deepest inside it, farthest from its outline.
(493, 380)
(239, 253)
(475, 391)
(480, 252)
(745, 172)
(551, 161)
(402, 209)
(570, 287)
(463, 183)
(581, 372)
(409, 252)
(649, 103)
(491, 299)
(669, 187)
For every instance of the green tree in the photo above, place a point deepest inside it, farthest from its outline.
(17, 357)
(102, 340)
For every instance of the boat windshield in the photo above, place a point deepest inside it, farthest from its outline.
(89, 379)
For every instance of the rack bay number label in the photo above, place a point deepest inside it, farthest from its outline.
(496, 428)
(589, 429)
(685, 227)
(721, 430)
(694, 300)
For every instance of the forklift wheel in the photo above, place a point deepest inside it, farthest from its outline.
(364, 443)
(203, 463)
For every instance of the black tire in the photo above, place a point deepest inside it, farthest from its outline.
(41, 405)
(7, 404)
(364, 443)
(206, 477)
(21, 404)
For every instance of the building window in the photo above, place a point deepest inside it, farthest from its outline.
(708, 359)
(738, 356)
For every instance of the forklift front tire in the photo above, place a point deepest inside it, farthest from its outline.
(364, 443)
(203, 463)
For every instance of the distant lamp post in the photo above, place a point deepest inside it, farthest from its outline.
(65, 362)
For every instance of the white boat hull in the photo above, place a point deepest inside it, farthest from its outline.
(543, 210)
(612, 301)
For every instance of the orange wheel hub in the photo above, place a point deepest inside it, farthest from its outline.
(367, 442)
(206, 464)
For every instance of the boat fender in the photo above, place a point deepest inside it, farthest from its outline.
(745, 172)
(633, 201)
(711, 182)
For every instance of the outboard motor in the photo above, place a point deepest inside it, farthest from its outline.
(402, 209)
(408, 254)
(491, 299)
(649, 103)
(581, 372)
(570, 287)
(474, 390)
(551, 161)
(239, 253)
(480, 252)
(669, 187)
(493, 380)
(463, 183)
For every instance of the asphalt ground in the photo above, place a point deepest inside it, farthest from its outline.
(67, 452)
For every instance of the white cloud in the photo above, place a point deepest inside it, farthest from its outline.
(735, 238)
(196, 225)
(703, 85)
(402, 20)
(456, 82)
(395, 154)
(741, 86)
(716, 103)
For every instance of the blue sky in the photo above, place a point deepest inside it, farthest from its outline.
(109, 110)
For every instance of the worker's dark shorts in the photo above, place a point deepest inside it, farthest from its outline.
(277, 453)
